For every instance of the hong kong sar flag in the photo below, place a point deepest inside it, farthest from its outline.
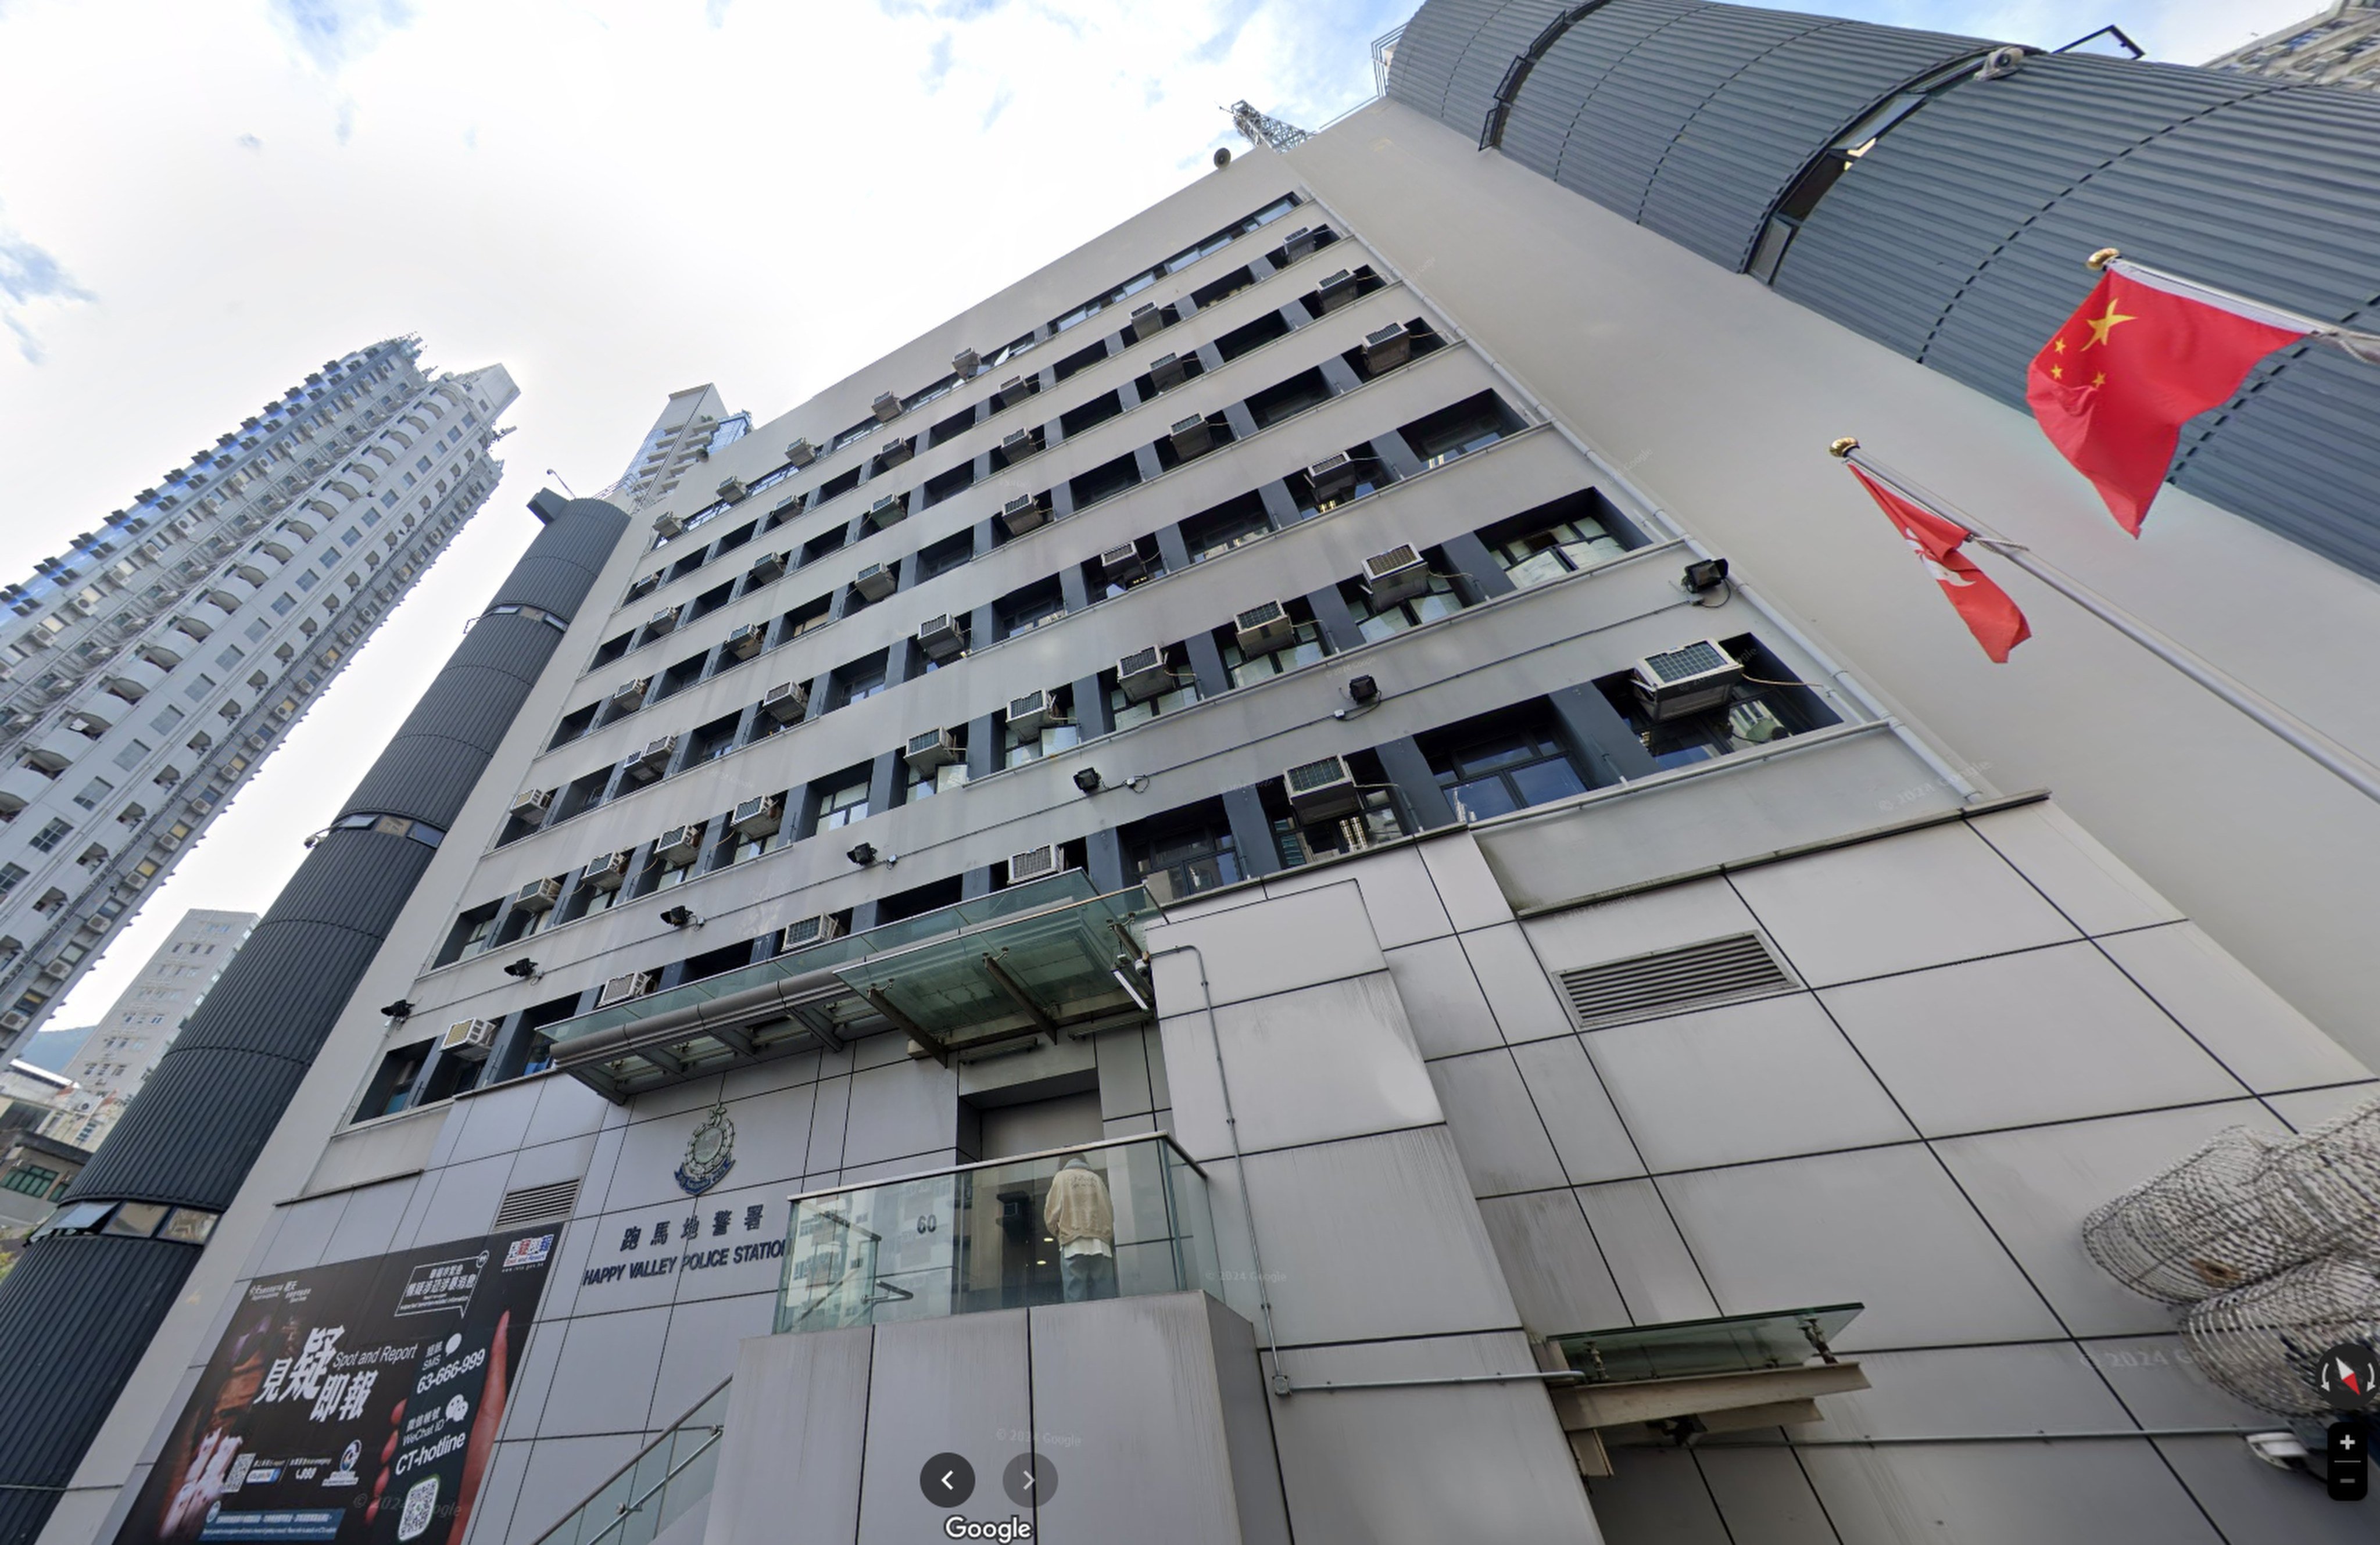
(2132, 365)
(1987, 609)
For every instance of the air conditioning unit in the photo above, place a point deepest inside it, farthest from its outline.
(768, 568)
(733, 490)
(940, 639)
(1023, 513)
(886, 407)
(57, 968)
(1264, 629)
(1388, 348)
(787, 702)
(1033, 863)
(758, 818)
(1322, 791)
(895, 452)
(630, 695)
(469, 1039)
(651, 761)
(1143, 674)
(667, 524)
(621, 989)
(888, 510)
(538, 896)
(801, 453)
(14, 1021)
(875, 582)
(608, 873)
(1192, 437)
(1302, 241)
(1332, 476)
(935, 748)
(1689, 681)
(531, 805)
(810, 931)
(965, 363)
(662, 621)
(1167, 371)
(746, 641)
(1013, 390)
(1336, 291)
(1028, 714)
(1395, 576)
(1019, 446)
(1146, 321)
(646, 585)
(679, 846)
(1124, 565)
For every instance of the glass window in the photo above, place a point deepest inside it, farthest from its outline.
(1192, 860)
(940, 780)
(1439, 601)
(1054, 738)
(50, 836)
(1507, 772)
(1565, 547)
(1309, 649)
(842, 806)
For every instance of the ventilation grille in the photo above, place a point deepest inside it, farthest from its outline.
(1734, 967)
(537, 1204)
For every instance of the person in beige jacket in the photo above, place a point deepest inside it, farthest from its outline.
(1082, 1218)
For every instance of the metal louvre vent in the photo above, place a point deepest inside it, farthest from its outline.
(1735, 967)
(537, 1204)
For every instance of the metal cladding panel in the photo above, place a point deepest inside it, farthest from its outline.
(559, 566)
(286, 1007)
(2298, 456)
(1429, 49)
(1739, 154)
(1573, 69)
(1502, 37)
(208, 1112)
(356, 880)
(426, 777)
(508, 642)
(76, 1317)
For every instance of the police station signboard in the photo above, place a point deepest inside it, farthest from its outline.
(355, 1401)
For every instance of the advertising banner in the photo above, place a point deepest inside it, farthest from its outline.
(355, 1401)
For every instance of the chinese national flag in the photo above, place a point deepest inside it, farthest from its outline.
(2132, 365)
(1987, 609)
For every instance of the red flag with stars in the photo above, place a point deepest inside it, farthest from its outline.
(2133, 364)
(1987, 609)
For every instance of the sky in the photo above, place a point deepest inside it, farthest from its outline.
(201, 200)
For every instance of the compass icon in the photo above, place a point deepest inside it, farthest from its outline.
(2349, 1375)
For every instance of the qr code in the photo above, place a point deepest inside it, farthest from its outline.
(420, 1507)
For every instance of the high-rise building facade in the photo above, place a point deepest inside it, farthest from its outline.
(692, 423)
(124, 1047)
(2337, 47)
(1190, 910)
(146, 671)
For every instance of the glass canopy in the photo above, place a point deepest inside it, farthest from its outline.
(1690, 1348)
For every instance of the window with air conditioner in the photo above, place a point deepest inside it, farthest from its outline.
(471, 933)
(1500, 763)
(1568, 535)
(1713, 697)
(1038, 725)
(1378, 618)
(1149, 683)
(1182, 852)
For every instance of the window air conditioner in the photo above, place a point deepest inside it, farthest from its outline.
(679, 846)
(607, 873)
(895, 452)
(1264, 629)
(1024, 513)
(887, 407)
(887, 510)
(1397, 574)
(630, 695)
(1336, 291)
(1322, 791)
(940, 639)
(1303, 241)
(1032, 864)
(620, 989)
(668, 524)
(935, 748)
(1124, 565)
(1143, 674)
(1688, 681)
(758, 818)
(57, 968)
(768, 568)
(810, 931)
(1388, 348)
(733, 490)
(1167, 371)
(1192, 437)
(1332, 476)
(662, 621)
(965, 363)
(746, 641)
(531, 805)
(1026, 715)
(801, 453)
(538, 896)
(469, 1039)
(651, 761)
(875, 582)
(1019, 446)
(1146, 321)
(1015, 390)
(787, 702)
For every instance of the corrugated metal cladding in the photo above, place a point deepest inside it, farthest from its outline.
(1958, 238)
(556, 571)
(76, 1318)
(240, 1094)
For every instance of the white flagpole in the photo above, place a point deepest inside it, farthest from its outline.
(2364, 347)
(2325, 752)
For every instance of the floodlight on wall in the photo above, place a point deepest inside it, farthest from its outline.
(680, 917)
(1365, 690)
(524, 968)
(400, 1009)
(1087, 780)
(863, 855)
(1705, 575)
